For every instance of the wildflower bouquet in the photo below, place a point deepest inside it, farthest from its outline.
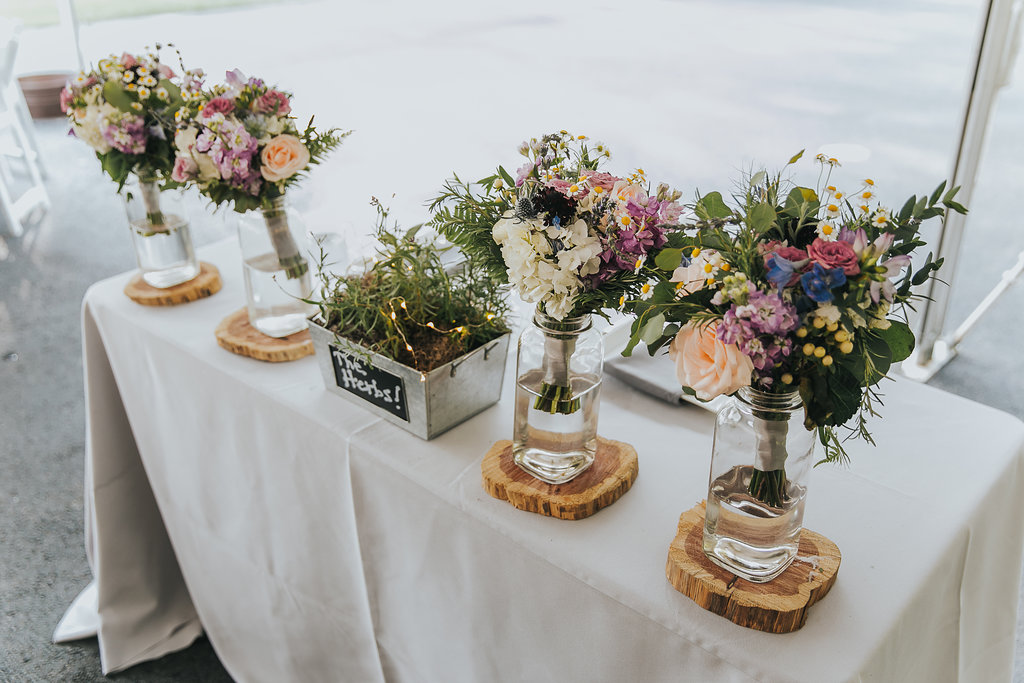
(124, 109)
(791, 289)
(239, 143)
(567, 236)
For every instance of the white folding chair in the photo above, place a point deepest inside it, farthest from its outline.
(16, 141)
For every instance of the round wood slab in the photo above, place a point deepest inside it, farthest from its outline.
(778, 606)
(206, 283)
(604, 482)
(235, 334)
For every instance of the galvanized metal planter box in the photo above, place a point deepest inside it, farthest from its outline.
(424, 403)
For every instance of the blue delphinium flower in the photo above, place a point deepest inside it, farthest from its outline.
(818, 282)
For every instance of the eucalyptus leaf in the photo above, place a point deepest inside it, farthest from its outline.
(712, 205)
(900, 339)
(761, 217)
(669, 259)
(652, 329)
(117, 97)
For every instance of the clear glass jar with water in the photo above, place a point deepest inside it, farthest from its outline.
(558, 384)
(760, 462)
(275, 252)
(160, 233)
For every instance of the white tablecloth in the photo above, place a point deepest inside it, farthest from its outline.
(318, 543)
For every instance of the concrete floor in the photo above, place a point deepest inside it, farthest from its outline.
(916, 81)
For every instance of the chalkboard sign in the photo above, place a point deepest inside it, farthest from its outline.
(377, 386)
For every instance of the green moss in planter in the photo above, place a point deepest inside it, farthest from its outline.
(407, 306)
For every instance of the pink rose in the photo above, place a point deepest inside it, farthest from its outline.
(128, 61)
(66, 97)
(283, 157)
(834, 255)
(706, 365)
(165, 71)
(272, 102)
(626, 191)
(218, 105)
(185, 169)
(559, 184)
(791, 254)
(606, 181)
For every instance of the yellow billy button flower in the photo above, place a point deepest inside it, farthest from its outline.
(818, 322)
(826, 361)
(808, 349)
(787, 378)
(819, 351)
(846, 346)
(801, 332)
(842, 335)
(832, 327)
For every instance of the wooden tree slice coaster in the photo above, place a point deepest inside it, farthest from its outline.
(235, 334)
(614, 470)
(779, 606)
(206, 283)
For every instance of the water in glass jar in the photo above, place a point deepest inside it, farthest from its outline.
(750, 538)
(274, 305)
(166, 257)
(555, 447)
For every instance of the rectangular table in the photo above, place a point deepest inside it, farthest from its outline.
(313, 541)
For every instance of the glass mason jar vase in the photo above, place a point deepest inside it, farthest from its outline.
(160, 233)
(274, 247)
(760, 464)
(558, 385)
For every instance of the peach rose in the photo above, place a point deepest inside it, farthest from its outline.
(706, 365)
(283, 157)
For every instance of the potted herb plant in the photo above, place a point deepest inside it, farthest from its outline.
(407, 339)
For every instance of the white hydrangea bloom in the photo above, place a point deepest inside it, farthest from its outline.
(89, 127)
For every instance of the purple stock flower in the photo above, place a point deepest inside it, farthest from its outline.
(761, 328)
(127, 135)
